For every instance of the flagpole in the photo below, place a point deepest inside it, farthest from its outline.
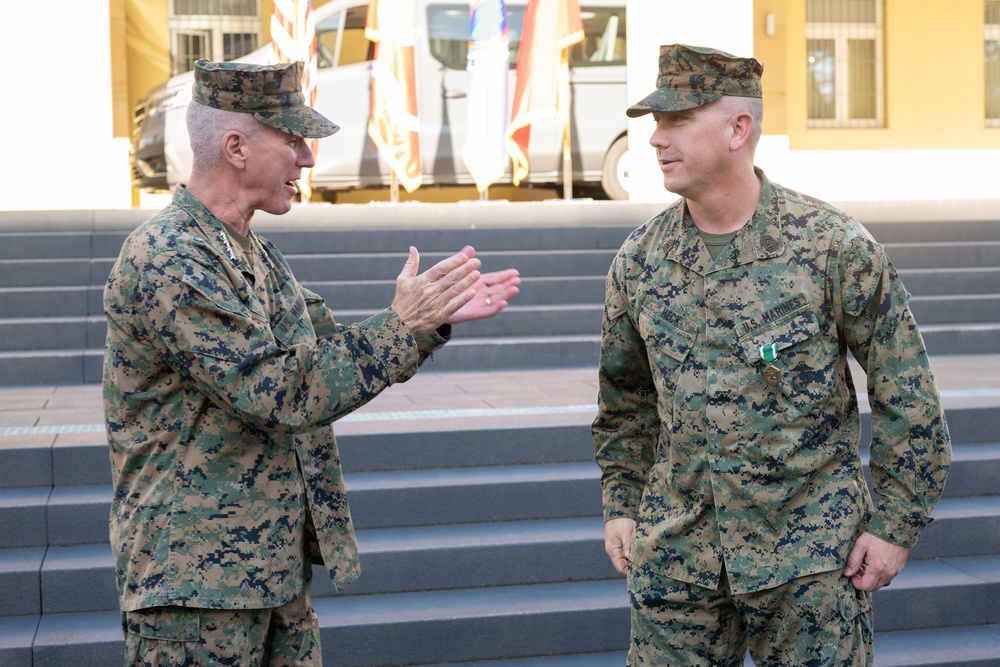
(393, 187)
(567, 152)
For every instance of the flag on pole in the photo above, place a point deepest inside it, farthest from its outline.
(293, 38)
(485, 153)
(394, 125)
(542, 90)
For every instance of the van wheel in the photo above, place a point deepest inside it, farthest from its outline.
(614, 170)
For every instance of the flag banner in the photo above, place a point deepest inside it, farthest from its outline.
(542, 89)
(293, 38)
(485, 153)
(394, 125)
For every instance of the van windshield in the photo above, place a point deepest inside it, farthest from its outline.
(603, 44)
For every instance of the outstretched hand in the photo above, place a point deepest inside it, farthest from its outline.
(493, 292)
(426, 301)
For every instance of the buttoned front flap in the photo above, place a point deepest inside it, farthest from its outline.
(782, 327)
(290, 325)
(669, 339)
(666, 332)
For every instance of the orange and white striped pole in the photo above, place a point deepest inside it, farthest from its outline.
(293, 38)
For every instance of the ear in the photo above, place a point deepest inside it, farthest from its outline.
(234, 148)
(742, 128)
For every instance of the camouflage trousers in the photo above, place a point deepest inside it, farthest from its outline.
(285, 636)
(818, 620)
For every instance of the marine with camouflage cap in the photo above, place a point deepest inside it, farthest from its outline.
(728, 425)
(222, 378)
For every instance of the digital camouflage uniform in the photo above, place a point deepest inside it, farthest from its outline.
(742, 472)
(222, 378)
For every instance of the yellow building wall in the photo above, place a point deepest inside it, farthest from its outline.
(142, 41)
(934, 81)
(771, 51)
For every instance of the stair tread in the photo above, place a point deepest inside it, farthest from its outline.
(471, 602)
(938, 646)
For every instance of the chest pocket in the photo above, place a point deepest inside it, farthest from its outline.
(793, 328)
(794, 340)
(289, 324)
(669, 338)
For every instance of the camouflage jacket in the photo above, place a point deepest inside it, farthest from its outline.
(222, 377)
(724, 458)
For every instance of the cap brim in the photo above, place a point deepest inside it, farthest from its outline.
(300, 122)
(669, 99)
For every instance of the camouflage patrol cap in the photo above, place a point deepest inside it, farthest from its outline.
(692, 76)
(272, 93)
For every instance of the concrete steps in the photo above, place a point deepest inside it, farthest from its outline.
(481, 545)
(52, 326)
(494, 552)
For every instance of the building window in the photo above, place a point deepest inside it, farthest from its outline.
(213, 29)
(992, 62)
(845, 79)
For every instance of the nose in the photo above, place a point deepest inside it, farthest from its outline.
(660, 137)
(305, 158)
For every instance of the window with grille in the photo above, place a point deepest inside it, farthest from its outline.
(845, 75)
(213, 29)
(992, 62)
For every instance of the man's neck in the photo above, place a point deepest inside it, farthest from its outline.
(224, 207)
(727, 208)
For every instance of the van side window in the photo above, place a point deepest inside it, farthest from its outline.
(448, 33)
(604, 39)
(340, 39)
(603, 44)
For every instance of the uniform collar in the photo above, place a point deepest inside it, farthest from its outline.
(761, 238)
(217, 233)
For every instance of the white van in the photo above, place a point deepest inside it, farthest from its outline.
(161, 153)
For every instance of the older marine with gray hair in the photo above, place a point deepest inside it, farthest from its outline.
(222, 379)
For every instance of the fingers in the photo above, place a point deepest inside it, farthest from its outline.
(873, 563)
(493, 292)
(425, 301)
(412, 264)
(507, 283)
(855, 561)
(461, 262)
(617, 542)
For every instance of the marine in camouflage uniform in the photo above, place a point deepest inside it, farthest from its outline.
(728, 425)
(222, 378)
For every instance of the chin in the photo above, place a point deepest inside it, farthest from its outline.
(278, 208)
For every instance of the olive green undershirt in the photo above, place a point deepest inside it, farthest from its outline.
(716, 243)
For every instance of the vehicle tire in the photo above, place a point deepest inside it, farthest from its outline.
(614, 170)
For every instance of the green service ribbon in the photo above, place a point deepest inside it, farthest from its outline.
(769, 352)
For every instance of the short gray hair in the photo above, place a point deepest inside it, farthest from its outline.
(752, 105)
(206, 127)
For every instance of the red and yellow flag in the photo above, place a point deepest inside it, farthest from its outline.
(293, 38)
(542, 90)
(394, 124)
